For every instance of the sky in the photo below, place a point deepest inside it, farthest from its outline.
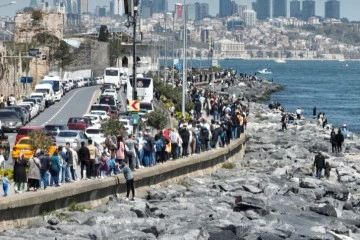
(348, 8)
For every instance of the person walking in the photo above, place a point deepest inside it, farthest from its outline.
(54, 166)
(34, 172)
(20, 173)
(124, 168)
(319, 163)
(339, 141)
(5, 183)
(333, 141)
(84, 158)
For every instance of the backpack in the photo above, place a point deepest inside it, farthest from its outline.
(205, 133)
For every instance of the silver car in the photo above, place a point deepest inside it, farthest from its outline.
(74, 137)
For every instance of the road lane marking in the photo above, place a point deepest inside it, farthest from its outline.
(57, 113)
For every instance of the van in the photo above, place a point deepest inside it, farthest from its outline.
(80, 81)
(49, 93)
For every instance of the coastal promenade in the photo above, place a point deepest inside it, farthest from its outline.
(93, 193)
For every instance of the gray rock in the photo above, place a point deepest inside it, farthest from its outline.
(327, 210)
(309, 183)
(53, 221)
(252, 189)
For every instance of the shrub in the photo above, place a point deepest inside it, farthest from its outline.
(228, 165)
(73, 207)
(10, 173)
(157, 119)
(112, 127)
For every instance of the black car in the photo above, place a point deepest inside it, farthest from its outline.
(4, 145)
(10, 120)
(22, 111)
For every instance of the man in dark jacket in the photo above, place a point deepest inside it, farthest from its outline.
(84, 158)
(44, 163)
(185, 136)
(69, 164)
(319, 163)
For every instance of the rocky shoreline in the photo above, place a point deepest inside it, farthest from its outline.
(276, 193)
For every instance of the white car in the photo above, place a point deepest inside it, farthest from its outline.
(96, 134)
(95, 119)
(128, 124)
(100, 80)
(33, 110)
(111, 92)
(102, 114)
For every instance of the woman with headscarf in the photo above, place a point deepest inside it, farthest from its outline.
(55, 168)
(34, 172)
(20, 173)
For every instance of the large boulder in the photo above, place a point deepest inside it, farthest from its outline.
(327, 210)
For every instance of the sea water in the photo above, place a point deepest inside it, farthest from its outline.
(332, 86)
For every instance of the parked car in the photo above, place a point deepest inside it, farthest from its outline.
(128, 124)
(22, 111)
(33, 110)
(103, 114)
(79, 123)
(96, 134)
(4, 145)
(10, 120)
(54, 129)
(95, 119)
(25, 131)
(24, 146)
(41, 101)
(36, 105)
(74, 137)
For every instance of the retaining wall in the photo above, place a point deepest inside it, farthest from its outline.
(95, 192)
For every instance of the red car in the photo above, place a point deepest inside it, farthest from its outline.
(24, 131)
(79, 123)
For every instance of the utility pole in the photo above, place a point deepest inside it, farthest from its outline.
(184, 83)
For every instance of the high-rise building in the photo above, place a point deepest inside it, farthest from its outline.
(111, 8)
(101, 12)
(83, 6)
(262, 8)
(191, 12)
(72, 7)
(295, 9)
(308, 9)
(146, 8)
(234, 8)
(118, 7)
(279, 8)
(160, 6)
(204, 10)
(249, 17)
(33, 4)
(332, 9)
(225, 8)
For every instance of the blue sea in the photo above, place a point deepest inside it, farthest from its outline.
(332, 86)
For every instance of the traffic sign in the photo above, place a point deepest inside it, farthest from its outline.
(135, 118)
(26, 79)
(134, 106)
(34, 52)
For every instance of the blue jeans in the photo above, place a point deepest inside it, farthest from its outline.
(216, 115)
(5, 189)
(63, 172)
(318, 172)
(44, 178)
(234, 132)
(68, 172)
(54, 178)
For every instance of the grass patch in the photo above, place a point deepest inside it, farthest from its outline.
(260, 117)
(62, 216)
(228, 165)
(74, 207)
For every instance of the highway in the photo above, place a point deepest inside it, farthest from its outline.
(74, 104)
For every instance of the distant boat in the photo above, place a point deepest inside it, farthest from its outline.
(279, 61)
(233, 58)
(264, 71)
(341, 60)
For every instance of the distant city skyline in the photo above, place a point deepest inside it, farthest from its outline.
(348, 8)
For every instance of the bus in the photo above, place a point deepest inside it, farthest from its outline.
(145, 89)
(116, 76)
(55, 82)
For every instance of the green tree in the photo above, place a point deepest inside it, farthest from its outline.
(112, 127)
(157, 119)
(63, 55)
(39, 140)
(103, 34)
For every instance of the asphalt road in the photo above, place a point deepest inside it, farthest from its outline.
(74, 104)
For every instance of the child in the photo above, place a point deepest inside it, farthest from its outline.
(327, 170)
(113, 169)
(124, 168)
(5, 182)
(103, 165)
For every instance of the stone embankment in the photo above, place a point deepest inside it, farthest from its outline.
(279, 198)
